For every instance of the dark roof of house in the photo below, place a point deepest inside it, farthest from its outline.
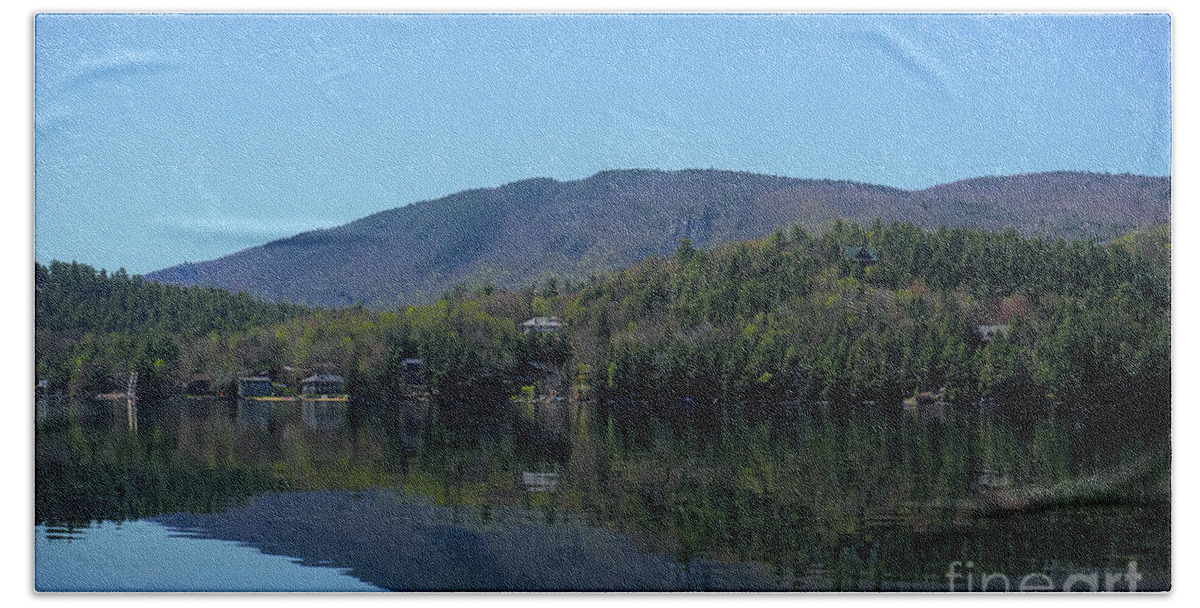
(860, 253)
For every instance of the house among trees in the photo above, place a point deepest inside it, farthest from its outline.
(254, 386)
(199, 384)
(322, 385)
(987, 332)
(863, 254)
(543, 324)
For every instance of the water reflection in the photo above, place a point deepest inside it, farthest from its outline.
(323, 415)
(253, 414)
(406, 499)
(148, 556)
(401, 542)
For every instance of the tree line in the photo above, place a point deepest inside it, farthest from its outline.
(695, 338)
(789, 317)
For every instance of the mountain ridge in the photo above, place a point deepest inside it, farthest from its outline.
(528, 230)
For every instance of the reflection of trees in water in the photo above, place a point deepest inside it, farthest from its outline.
(850, 497)
(832, 502)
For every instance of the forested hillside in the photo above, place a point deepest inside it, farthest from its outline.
(708, 335)
(78, 297)
(744, 401)
(112, 324)
(787, 317)
(530, 231)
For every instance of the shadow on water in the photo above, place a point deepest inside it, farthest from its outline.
(560, 497)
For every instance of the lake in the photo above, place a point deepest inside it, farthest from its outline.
(207, 495)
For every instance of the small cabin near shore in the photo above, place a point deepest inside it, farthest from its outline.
(322, 384)
(254, 386)
(199, 385)
(542, 324)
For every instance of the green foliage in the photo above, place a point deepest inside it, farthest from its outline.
(787, 317)
(528, 231)
(93, 328)
(693, 339)
(743, 401)
(76, 297)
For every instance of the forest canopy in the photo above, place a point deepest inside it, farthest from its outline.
(784, 318)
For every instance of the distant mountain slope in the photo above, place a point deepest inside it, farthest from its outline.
(529, 230)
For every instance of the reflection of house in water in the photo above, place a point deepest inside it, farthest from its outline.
(989, 480)
(411, 371)
(412, 404)
(50, 407)
(926, 406)
(551, 415)
(413, 414)
(539, 481)
(323, 386)
(250, 387)
(253, 413)
(323, 415)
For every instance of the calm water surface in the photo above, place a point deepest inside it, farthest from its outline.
(146, 555)
(222, 496)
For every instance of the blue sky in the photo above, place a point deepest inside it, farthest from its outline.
(171, 138)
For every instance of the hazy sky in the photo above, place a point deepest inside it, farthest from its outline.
(168, 138)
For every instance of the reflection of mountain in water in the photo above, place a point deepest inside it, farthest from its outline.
(401, 543)
(691, 517)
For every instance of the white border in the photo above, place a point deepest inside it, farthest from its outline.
(17, 37)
